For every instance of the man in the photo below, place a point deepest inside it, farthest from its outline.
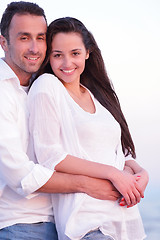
(25, 205)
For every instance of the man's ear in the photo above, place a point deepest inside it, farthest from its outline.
(3, 43)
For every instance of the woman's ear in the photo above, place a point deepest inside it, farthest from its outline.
(87, 54)
(3, 43)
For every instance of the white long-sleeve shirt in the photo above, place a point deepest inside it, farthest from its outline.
(59, 126)
(19, 177)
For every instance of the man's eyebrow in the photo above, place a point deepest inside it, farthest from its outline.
(41, 34)
(23, 33)
(29, 34)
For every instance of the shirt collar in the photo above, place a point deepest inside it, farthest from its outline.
(6, 71)
(7, 74)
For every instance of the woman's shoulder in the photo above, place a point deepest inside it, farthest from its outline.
(46, 83)
(47, 79)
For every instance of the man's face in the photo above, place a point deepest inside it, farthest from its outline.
(26, 49)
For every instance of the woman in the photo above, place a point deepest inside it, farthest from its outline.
(78, 127)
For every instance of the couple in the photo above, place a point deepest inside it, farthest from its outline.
(66, 136)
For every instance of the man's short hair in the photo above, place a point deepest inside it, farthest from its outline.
(19, 8)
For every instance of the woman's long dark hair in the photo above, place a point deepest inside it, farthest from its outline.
(94, 77)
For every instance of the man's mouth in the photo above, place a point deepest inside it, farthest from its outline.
(32, 58)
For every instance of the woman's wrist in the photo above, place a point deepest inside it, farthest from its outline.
(113, 174)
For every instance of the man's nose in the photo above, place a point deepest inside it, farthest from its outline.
(33, 46)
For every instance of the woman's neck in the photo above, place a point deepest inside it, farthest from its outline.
(75, 90)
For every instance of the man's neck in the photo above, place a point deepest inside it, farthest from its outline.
(25, 81)
(23, 77)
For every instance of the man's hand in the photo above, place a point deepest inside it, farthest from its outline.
(100, 189)
(68, 183)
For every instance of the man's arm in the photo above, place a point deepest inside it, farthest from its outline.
(68, 183)
(16, 170)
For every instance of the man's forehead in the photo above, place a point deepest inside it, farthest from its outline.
(28, 23)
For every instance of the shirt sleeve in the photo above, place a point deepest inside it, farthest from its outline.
(16, 170)
(45, 128)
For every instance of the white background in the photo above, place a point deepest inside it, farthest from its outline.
(128, 34)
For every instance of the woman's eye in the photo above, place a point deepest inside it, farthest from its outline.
(57, 55)
(76, 53)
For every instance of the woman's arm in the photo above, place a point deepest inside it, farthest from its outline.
(125, 183)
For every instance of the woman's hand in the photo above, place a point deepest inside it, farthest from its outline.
(142, 180)
(127, 184)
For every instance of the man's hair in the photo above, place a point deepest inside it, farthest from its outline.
(19, 8)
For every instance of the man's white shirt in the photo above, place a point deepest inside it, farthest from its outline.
(20, 177)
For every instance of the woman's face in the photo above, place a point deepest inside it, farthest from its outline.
(68, 56)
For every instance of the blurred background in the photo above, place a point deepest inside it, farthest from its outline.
(128, 34)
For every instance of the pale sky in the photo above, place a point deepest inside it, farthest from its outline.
(128, 35)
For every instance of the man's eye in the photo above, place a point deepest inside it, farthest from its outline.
(24, 38)
(41, 38)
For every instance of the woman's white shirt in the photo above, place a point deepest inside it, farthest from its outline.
(58, 127)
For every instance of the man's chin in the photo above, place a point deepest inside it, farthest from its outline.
(32, 70)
